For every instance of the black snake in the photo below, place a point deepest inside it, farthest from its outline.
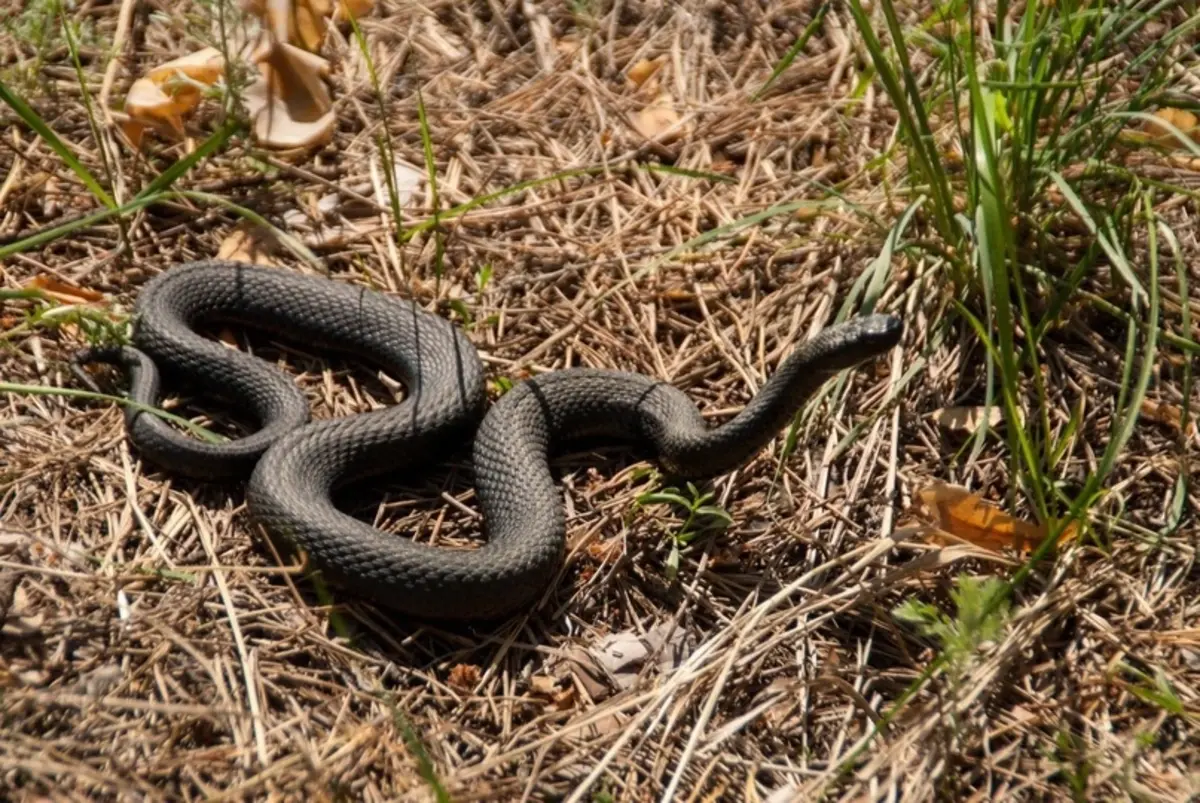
(295, 464)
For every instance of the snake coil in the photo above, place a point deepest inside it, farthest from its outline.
(294, 464)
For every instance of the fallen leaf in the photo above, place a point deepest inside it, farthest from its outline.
(624, 655)
(289, 102)
(1160, 135)
(621, 652)
(247, 244)
(406, 178)
(566, 699)
(464, 676)
(639, 73)
(546, 687)
(62, 292)
(810, 212)
(582, 667)
(967, 419)
(964, 516)
(308, 24)
(303, 22)
(161, 98)
(658, 120)
(609, 549)
(347, 9)
(542, 684)
(1169, 415)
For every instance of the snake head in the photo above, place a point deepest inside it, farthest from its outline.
(852, 342)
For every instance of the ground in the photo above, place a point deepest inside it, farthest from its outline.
(154, 645)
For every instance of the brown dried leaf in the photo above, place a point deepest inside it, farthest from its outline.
(1169, 415)
(308, 25)
(303, 23)
(1160, 135)
(62, 292)
(464, 676)
(290, 103)
(964, 516)
(543, 686)
(546, 687)
(967, 419)
(169, 91)
(566, 699)
(246, 244)
(607, 550)
(584, 669)
(659, 120)
(643, 70)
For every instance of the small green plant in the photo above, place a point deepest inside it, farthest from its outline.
(1156, 690)
(415, 746)
(701, 516)
(33, 25)
(981, 615)
(98, 327)
(1071, 756)
(794, 50)
(461, 308)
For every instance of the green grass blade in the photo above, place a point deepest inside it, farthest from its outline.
(34, 121)
(40, 238)
(287, 240)
(210, 146)
(910, 105)
(431, 171)
(1115, 255)
(89, 108)
(1126, 423)
(794, 50)
(48, 390)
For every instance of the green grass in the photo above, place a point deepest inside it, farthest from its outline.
(1022, 109)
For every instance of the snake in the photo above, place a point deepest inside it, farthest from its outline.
(292, 465)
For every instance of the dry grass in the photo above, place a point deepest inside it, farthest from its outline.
(154, 647)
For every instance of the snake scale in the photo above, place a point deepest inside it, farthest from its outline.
(294, 464)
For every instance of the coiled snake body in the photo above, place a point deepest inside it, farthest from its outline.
(294, 464)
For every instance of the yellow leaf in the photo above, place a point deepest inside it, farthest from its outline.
(640, 72)
(966, 419)
(347, 9)
(243, 245)
(656, 120)
(1185, 121)
(62, 292)
(1169, 415)
(969, 517)
(160, 98)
